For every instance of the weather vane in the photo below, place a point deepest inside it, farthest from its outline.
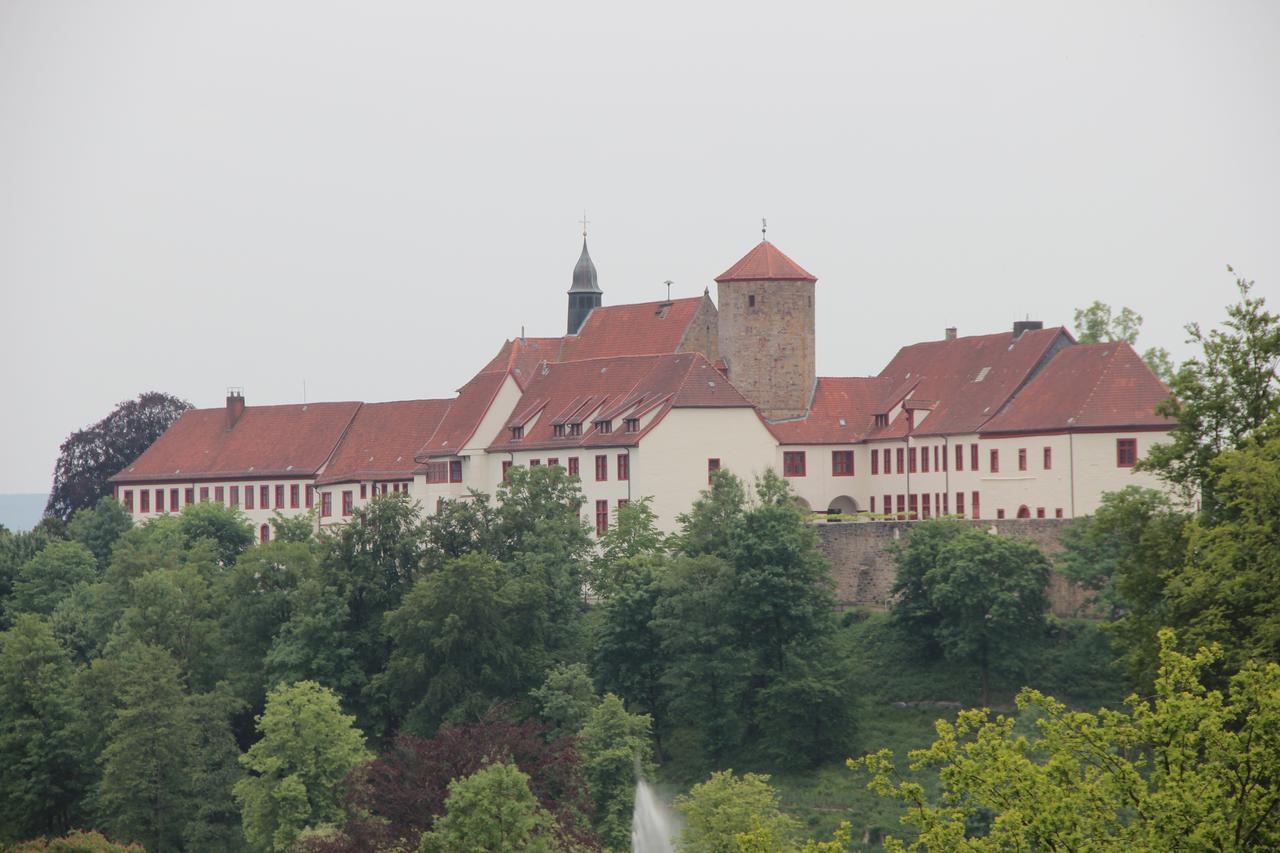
(668, 283)
(764, 228)
(584, 224)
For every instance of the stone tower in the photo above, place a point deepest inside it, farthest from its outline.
(585, 294)
(765, 304)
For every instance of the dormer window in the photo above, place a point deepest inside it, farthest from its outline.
(632, 425)
(575, 428)
(604, 427)
(882, 420)
(557, 430)
(517, 433)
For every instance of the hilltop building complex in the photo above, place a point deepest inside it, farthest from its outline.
(646, 400)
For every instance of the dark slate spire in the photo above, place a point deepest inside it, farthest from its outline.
(585, 293)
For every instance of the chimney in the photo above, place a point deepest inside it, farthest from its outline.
(950, 333)
(235, 405)
(1020, 326)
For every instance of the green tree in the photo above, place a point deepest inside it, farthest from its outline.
(615, 746)
(175, 610)
(145, 792)
(1223, 399)
(460, 641)
(76, 841)
(91, 455)
(52, 575)
(1186, 769)
(42, 762)
(629, 660)
(1096, 324)
(706, 527)
(16, 549)
(214, 763)
(491, 811)
(984, 595)
(98, 527)
(297, 528)
(566, 697)
(632, 539)
(307, 747)
(723, 809)
(224, 526)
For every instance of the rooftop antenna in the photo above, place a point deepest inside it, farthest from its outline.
(584, 222)
(764, 229)
(668, 283)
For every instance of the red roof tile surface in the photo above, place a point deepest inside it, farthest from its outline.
(459, 424)
(1087, 386)
(842, 412)
(266, 441)
(584, 391)
(765, 263)
(382, 440)
(968, 379)
(644, 328)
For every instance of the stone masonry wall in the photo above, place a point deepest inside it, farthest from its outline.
(703, 333)
(769, 346)
(863, 570)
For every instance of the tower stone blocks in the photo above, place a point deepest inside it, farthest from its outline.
(766, 331)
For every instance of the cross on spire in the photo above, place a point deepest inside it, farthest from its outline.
(764, 228)
(584, 222)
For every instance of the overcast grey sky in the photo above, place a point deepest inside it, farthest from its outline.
(371, 196)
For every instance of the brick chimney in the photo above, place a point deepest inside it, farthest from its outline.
(1020, 326)
(235, 406)
(949, 333)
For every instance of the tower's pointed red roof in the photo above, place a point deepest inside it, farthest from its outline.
(765, 263)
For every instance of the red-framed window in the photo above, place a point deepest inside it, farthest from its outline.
(173, 500)
(943, 456)
(159, 500)
(902, 506)
(384, 488)
(622, 502)
(937, 456)
(1048, 458)
(946, 503)
(911, 459)
(1000, 513)
(913, 506)
(960, 504)
(995, 461)
(311, 495)
(926, 511)
(326, 504)
(973, 457)
(873, 504)
(842, 463)
(888, 504)
(924, 459)
(604, 427)
(264, 497)
(959, 457)
(793, 463)
(875, 462)
(218, 494)
(364, 492)
(348, 502)
(1022, 459)
(631, 425)
(280, 496)
(1039, 512)
(713, 465)
(534, 463)
(204, 494)
(189, 496)
(235, 496)
(248, 497)
(553, 460)
(573, 466)
(1126, 452)
(602, 468)
(1057, 513)
(977, 511)
(144, 500)
(624, 466)
(506, 468)
(575, 428)
(901, 460)
(295, 495)
(264, 534)
(602, 517)
(455, 470)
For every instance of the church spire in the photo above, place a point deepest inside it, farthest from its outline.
(585, 293)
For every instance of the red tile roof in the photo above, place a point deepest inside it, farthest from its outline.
(522, 355)
(1086, 386)
(642, 328)
(459, 424)
(381, 442)
(267, 441)
(842, 412)
(622, 387)
(765, 263)
(967, 379)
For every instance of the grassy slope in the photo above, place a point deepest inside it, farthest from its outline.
(1075, 667)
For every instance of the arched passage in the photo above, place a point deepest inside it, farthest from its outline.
(803, 504)
(264, 533)
(1024, 511)
(843, 505)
